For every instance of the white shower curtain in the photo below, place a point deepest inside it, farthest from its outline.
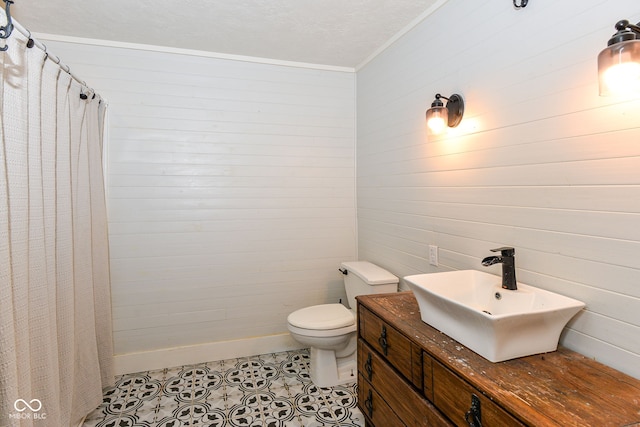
(55, 304)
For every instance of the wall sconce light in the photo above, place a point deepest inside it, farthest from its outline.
(619, 62)
(440, 116)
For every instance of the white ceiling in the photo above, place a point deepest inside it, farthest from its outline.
(341, 33)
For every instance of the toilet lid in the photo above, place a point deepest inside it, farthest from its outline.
(325, 316)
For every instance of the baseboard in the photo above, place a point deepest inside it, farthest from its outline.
(207, 352)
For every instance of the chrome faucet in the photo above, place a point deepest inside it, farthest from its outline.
(507, 258)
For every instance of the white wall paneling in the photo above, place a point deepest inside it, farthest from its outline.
(540, 161)
(231, 197)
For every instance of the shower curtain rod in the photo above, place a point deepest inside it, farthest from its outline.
(33, 42)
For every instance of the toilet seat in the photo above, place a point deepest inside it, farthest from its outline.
(322, 333)
(324, 316)
(323, 320)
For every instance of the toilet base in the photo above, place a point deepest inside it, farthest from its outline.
(327, 370)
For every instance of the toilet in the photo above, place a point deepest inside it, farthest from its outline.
(330, 329)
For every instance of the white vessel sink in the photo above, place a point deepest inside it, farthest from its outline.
(471, 307)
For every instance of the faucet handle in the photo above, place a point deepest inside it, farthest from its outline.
(505, 251)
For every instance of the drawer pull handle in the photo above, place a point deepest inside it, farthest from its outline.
(473, 415)
(369, 404)
(383, 340)
(368, 367)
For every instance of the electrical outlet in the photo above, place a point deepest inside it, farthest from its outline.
(433, 255)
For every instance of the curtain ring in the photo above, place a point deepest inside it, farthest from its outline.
(30, 42)
(89, 91)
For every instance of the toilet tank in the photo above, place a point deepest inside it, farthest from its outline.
(365, 278)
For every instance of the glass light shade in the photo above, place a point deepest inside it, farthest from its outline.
(619, 68)
(437, 118)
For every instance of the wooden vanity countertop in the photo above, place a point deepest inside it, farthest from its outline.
(559, 388)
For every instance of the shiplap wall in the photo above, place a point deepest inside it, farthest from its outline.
(231, 192)
(540, 161)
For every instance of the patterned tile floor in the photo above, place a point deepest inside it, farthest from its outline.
(272, 390)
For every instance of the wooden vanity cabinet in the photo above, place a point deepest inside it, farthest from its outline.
(410, 374)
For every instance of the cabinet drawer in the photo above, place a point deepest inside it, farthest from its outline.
(401, 353)
(413, 409)
(374, 407)
(452, 395)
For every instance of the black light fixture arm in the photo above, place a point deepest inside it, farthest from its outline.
(438, 96)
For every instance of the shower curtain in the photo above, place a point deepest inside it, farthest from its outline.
(55, 305)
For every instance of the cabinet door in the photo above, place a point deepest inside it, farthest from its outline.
(392, 346)
(454, 396)
(410, 406)
(374, 407)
